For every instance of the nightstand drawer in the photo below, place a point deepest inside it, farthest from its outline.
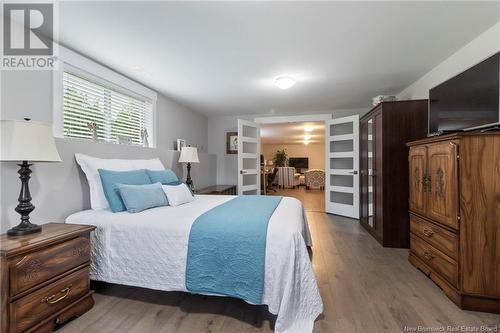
(34, 268)
(37, 306)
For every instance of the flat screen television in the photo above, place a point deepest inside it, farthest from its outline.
(299, 162)
(469, 100)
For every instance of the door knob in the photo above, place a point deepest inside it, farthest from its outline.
(242, 172)
(355, 172)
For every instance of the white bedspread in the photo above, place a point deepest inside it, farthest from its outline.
(149, 250)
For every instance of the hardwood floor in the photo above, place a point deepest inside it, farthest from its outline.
(365, 288)
(312, 199)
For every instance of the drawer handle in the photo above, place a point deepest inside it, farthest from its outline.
(53, 300)
(428, 255)
(427, 232)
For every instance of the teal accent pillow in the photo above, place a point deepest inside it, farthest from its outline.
(110, 179)
(162, 176)
(178, 182)
(137, 198)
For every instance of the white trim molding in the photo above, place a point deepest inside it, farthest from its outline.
(293, 119)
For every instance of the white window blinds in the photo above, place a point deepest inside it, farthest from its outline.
(116, 116)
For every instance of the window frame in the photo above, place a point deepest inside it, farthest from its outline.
(90, 70)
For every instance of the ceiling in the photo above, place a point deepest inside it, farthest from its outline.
(292, 133)
(222, 57)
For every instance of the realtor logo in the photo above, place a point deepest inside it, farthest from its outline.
(28, 34)
(28, 29)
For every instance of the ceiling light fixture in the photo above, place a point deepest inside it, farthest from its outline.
(307, 137)
(284, 82)
(306, 142)
(308, 129)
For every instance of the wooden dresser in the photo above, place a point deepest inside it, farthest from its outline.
(455, 216)
(44, 278)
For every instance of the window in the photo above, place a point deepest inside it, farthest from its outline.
(94, 108)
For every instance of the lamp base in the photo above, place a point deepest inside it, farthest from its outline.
(24, 207)
(24, 228)
(189, 182)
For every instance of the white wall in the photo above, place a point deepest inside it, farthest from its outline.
(29, 94)
(480, 48)
(218, 126)
(314, 151)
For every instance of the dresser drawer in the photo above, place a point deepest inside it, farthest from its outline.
(34, 268)
(37, 306)
(442, 239)
(437, 260)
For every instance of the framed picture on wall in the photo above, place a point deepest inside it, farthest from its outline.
(180, 144)
(232, 143)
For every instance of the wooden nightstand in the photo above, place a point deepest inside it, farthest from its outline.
(44, 278)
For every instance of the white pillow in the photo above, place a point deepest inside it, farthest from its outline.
(90, 165)
(177, 194)
(152, 164)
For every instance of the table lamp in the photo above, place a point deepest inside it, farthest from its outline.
(26, 141)
(189, 155)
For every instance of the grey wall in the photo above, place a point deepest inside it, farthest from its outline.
(218, 126)
(26, 94)
(29, 94)
(59, 189)
(175, 121)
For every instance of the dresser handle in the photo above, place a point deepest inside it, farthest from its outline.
(428, 255)
(51, 300)
(428, 233)
(426, 183)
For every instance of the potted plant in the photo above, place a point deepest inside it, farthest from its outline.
(281, 158)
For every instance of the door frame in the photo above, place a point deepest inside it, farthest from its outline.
(293, 119)
(323, 117)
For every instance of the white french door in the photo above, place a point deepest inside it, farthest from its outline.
(248, 158)
(342, 165)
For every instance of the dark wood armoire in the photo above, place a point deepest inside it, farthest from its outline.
(384, 132)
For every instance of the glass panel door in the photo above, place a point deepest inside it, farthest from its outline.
(248, 158)
(342, 178)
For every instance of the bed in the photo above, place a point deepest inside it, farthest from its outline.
(149, 249)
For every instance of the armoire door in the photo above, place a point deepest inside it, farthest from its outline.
(377, 174)
(366, 167)
(442, 195)
(363, 167)
(418, 167)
